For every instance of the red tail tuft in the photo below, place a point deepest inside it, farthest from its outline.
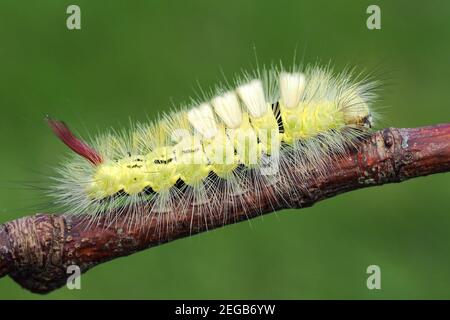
(77, 145)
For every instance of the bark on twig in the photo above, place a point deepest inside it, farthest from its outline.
(36, 250)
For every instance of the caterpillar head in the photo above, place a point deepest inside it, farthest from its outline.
(356, 111)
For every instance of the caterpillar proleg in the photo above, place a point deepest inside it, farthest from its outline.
(239, 138)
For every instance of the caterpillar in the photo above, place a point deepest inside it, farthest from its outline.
(236, 138)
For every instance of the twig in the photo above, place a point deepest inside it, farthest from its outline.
(36, 250)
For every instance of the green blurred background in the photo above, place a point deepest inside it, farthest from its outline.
(134, 59)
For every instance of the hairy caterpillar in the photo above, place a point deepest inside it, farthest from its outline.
(234, 140)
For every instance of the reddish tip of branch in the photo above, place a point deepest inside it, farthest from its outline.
(78, 146)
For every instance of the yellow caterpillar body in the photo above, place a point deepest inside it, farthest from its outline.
(309, 114)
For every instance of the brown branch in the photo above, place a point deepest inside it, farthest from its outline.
(36, 250)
